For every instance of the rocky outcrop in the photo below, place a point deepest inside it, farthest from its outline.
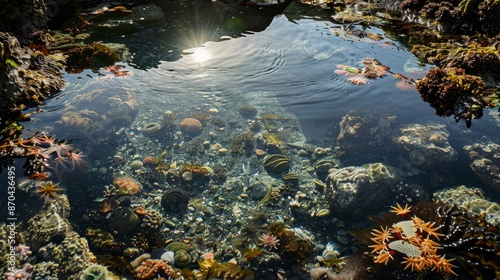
(27, 77)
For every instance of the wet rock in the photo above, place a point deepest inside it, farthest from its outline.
(362, 131)
(486, 162)
(116, 108)
(122, 220)
(426, 146)
(23, 17)
(27, 77)
(473, 200)
(190, 126)
(354, 188)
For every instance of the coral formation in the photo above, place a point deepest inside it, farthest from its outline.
(95, 272)
(150, 269)
(127, 185)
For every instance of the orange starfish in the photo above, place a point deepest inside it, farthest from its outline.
(430, 230)
(429, 247)
(378, 247)
(49, 190)
(400, 210)
(381, 236)
(417, 263)
(443, 265)
(383, 257)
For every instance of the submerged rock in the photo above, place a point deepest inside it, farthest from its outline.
(426, 146)
(486, 162)
(473, 200)
(364, 188)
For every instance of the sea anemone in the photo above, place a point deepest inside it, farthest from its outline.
(127, 185)
(436, 240)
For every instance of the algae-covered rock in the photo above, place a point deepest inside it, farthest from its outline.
(364, 188)
(426, 146)
(27, 77)
(472, 199)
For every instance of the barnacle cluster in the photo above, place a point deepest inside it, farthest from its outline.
(433, 239)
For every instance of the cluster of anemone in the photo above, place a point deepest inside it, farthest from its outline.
(44, 152)
(430, 239)
(416, 239)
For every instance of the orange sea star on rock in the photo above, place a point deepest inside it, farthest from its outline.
(49, 190)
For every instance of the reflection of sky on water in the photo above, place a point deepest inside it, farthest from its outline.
(292, 60)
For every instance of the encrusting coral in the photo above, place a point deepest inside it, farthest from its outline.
(151, 268)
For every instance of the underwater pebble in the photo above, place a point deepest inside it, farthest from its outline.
(102, 170)
(191, 208)
(319, 151)
(213, 110)
(136, 165)
(222, 151)
(212, 134)
(244, 195)
(216, 147)
(199, 220)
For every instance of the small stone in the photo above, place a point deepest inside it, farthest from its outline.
(216, 147)
(199, 220)
(206, 143)
(136, 165)
(102, 170)
(213, 110)
(222, 151)
(319, 151)
(244, 195)
(212, 134)
(187, 176)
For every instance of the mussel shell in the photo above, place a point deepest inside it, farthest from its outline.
(277, 164)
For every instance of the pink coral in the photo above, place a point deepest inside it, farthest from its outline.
(127, 185)
(151, 268)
